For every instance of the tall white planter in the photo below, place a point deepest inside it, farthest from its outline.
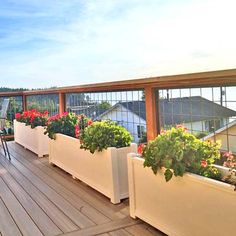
(190, 205)
(32, 139)
(104, 171)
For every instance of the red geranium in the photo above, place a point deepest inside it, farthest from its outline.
(140, 148)
(204, 163)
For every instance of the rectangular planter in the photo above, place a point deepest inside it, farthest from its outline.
(104, 171)
(189, 205)
(32, 139)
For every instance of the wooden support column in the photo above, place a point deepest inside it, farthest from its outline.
(151, 113)
(24, 102)
(62, 103)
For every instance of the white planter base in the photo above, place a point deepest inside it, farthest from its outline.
(31, 139)
(104, 171)
(190, 205)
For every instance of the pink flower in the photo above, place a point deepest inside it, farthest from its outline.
(227, 154)
(163, 131)
(181, 127)
(204, 163)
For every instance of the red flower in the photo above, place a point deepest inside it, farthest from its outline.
(65, 114)
(90, 122)
(17, 116)
(77, 131)
(204, 163)
(140, 148)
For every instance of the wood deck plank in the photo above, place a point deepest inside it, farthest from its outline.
(105, 228)
(34, 185)
(41, 219)
(74, 214)
(59, 218)
(120, 232)
(86, 193)
(21, 217)
(58, 183)
(143, 229)
(7, 224)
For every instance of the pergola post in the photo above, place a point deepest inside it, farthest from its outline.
(152, 113)
(62, 103)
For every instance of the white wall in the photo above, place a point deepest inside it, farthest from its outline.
(127, 119)
(197, 126)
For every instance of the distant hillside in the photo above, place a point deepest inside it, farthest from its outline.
(5, 89)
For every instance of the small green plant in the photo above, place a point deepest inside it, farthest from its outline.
(68, 123)
(103, 134)
(178, 152)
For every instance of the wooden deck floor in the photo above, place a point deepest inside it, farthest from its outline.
(38, 199)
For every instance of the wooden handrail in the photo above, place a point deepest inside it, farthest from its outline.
(210, 78)
(201, 79)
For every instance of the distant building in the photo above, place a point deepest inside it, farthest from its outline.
(196, 113)
(226, 136)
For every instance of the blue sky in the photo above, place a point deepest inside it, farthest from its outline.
(46, 43)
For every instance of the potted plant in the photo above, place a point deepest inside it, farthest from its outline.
(179, 191)
(94, 152)
(29, 131)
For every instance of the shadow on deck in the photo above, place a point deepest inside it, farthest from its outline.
(38, 199)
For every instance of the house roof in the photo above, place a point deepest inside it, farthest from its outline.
(181, 110)
(224, 128)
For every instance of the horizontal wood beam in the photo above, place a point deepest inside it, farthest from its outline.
(212, 78)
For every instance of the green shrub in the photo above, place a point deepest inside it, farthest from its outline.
(179, 151)
(103, 134)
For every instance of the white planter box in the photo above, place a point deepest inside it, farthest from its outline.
(190, 205)
(32, 139)
(104, 171)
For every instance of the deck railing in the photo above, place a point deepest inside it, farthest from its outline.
(147, 105)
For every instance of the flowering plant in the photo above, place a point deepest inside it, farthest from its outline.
(32, 117)
(68, 123)
(179, 151)
(231, 164)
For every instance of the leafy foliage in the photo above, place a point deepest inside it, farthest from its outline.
(179, 151)
(103, 134)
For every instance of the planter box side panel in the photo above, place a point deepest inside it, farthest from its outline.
(183, 206)
(43, 141)
(123, 169)
(94, 170)
(26, 136)
(32, 139)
